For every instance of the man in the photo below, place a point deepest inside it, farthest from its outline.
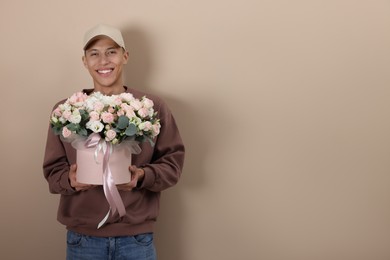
(155, 169)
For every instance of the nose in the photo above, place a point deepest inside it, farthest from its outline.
(103, 59)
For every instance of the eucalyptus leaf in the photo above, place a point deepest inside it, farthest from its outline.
(72, 127)
(131, 130)
(150, 141)
(57, 130)
(123, 122)
(84, 114)
(83, 132)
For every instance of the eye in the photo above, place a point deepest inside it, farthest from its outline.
(111, 52)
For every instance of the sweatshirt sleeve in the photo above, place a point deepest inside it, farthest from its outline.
(56, 165)
(166, 165)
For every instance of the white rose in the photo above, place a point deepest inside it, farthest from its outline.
(145, 126)
(65, 106)
(148, 103)
(151, 112)
(89, 103)
(136, 120)
(75, 118)
(127, 96)
(62, 120)
(96, 95)
(108, 100)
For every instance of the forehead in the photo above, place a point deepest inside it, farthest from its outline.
(101, 43)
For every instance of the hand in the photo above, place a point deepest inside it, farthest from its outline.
(73, 181)
(137, 174)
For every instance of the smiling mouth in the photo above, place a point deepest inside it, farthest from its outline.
(104, 71)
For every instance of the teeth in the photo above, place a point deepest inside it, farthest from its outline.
(104, 71)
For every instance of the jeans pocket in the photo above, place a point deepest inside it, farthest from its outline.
(144, 239)
(73, 238)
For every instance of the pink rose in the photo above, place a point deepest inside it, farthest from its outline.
(77, 98)
(130, 113)
(107, 117)
(72, 99)
(111, 110)
(98, 106)
(94, 116)
(136, 104)
(66, 132)
(81, 96)
(156, 129)
(110, 135)
(120, 112)
(128, 110)
(66, 114)
(143, 112)
(57, 112)
(125, 106)
(118, 100)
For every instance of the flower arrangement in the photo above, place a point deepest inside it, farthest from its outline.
(115, 118)
(94, 124)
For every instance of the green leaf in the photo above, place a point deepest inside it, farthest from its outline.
(123, 122)
(84, 114)
(82, 132)
(131, 130)
(57, 130)
(72, 127)
(150, 141)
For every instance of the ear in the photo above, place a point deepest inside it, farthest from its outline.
(125, 57)
(84, 61)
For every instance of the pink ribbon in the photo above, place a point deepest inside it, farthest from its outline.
(110, 190)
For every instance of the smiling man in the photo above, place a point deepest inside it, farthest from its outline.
(104, 56)
(155, 169)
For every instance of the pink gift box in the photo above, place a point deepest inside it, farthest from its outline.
(90, 171)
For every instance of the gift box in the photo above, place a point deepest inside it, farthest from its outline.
(90, 167)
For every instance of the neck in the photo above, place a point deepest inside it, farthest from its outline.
(110, 90)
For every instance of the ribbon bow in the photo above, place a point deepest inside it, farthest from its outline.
(110, 190)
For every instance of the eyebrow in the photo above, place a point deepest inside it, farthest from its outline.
(109, 48)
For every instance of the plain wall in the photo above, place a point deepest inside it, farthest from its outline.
(283, 106)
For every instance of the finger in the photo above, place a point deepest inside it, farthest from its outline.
(133, 181)
(132, 168)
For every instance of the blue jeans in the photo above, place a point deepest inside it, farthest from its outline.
(81, 247)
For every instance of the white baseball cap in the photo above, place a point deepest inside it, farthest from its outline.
(106, 30)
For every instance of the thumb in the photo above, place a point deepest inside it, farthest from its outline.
(73, 167)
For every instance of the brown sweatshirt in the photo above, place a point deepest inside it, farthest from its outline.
(82, 211)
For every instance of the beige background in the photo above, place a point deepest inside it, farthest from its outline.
(283, 105)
